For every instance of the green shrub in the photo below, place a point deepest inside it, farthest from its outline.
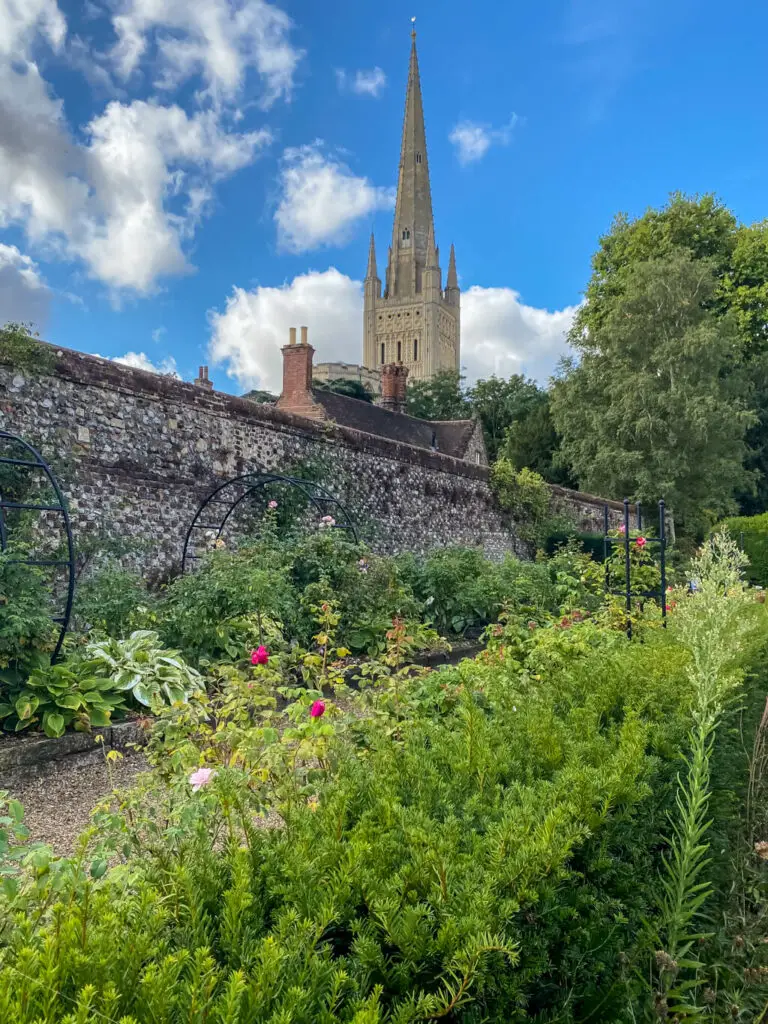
(207, 613)
(526, 495)
(457, 587)
(56, 697)
(20, 348)
(27, 633)
(113, 599)
(141, 666)
(591, 543)
(752, 531)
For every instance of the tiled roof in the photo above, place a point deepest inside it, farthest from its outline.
(451, 436)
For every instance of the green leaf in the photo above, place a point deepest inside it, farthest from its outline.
(98, 868)
(70, 700)
(53, 724)
(99, 718)
(26, 705)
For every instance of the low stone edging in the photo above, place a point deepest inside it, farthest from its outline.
(31, 751)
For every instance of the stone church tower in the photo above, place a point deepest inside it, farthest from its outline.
(416, 321)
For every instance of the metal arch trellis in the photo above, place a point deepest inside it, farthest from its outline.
(35, 461)
(230, 495)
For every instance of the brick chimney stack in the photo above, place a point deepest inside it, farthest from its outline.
(297, 377)
(202, 381)
(393, 385)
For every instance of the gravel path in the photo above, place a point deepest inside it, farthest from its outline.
(59, 796)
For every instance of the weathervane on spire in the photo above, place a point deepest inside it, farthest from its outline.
(413, 28)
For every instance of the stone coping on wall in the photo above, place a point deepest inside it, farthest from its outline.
(588, 499)
(94, 371)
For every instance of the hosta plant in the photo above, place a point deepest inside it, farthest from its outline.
(59, 696)
(140, 665)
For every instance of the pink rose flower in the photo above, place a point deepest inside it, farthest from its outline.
(317, 710)
(327, 521)
(260, 656)
(272, 504)
(622, 528)
(201, 778)
(641, 542)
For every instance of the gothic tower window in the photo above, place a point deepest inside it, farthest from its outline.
(382, 353)
(399, 351)
(406, 234)
(418, 158)
(415, 349)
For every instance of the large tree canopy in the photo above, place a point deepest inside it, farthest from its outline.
(499, 403)
(651, 410)
(442, 397)
(737, 259)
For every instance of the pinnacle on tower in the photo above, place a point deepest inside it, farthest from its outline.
(371, 272)
(452, 280)
(432, 258)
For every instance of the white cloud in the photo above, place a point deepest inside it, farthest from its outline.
(24, 296)
(501, 335)
(322, 199)
(363, 82)
(22, 20)
(142, 158)
(473, 139)
(140, 361)
(126, 199)
(216, 39)
(158, 334)
(249, 334)
(124, 192)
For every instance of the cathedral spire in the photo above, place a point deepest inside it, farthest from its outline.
(413, 208)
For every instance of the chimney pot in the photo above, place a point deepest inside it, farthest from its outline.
(202, 380)
(292, 336)
(304, 333)
(297, 378)
(393, 387)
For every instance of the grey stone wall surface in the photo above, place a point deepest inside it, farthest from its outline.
(136, 452)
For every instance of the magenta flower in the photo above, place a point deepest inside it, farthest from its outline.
(260, 656)
(622, 528)
(327, 521)
(317, 710)
(641, 542)
(272, 504)
(201, 778)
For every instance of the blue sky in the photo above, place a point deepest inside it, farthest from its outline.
(180, 182)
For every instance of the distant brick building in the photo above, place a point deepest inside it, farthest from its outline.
(462, 439)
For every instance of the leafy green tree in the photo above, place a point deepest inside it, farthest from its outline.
(650, 411)
(442, 397)
(261, 397)
(698, 224)
(738, 256)
(21, 349)
(745, 292)
(533, 442)
(350, 388)
(499, 403)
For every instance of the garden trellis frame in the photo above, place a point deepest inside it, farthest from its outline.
(215, 510)
(626, 591)
(35, 462)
